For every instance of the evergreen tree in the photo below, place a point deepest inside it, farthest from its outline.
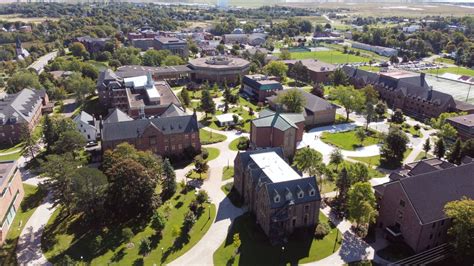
(169, 180)
(454, 155)
(207, 104)
(185, 97)
(427, 146)
(48, 133)
(439, 149)
(343, 183)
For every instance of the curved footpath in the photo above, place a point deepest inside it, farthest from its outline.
(202, 253)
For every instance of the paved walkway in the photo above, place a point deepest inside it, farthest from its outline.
(28, 250)
(202, 253)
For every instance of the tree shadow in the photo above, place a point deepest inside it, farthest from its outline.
(118, 256)
(33, 200)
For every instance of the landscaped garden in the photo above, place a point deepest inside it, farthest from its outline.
(208, 137)
(213, 153)
(375, 160)
(33, 198)
(244, 123)
(255, 248)
(241, 143)
(101, 246)
(348, 140)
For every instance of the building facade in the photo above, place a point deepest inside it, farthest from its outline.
(12, 193)
(87, 125)
(282, 130)
(259, 87)
(464, 125)
(411, 205)
(19, 111)
(408, 92)
(168, 136)
(220, 69)
(319, 72)
(281, 199)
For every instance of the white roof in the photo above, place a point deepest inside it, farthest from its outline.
(229, 117)
(275, 167)
(137, 82)
(153, 94)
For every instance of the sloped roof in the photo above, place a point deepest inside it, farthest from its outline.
(429, 192)
(313, 103)
(134, 128)
(84, 117)
(288, 191)
(173, 110)
(281, 121)
(117, 116)
(21, 105)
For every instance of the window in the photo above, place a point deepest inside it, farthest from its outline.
(300, 194)
(439, 234)
(442, 222)
(294, 222)
(153, 140)
(305, 219)
(434, 224)
(402, 203)
(276, 198)
(431, 236)
(312, 192)
(306, 208)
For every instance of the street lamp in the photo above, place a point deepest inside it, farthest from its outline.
(282, 251)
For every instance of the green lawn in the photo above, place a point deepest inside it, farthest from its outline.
(422, 156)
(348, 140)
(6, 149)
(246, 118)
(235, 142)
(227, 172)
(328, 186)
(333, 57)
(11, 157)
(68, 237)
(370, 68)
(375, 160)
(445, 60)
(199, 176)
(208, 137)
(232, 194)
(33, 198)
(255, 248)
(453, 70)
(373, 173)
(213, 153)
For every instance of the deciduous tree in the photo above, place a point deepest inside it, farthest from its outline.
(461, 231)
(393, 148)
(292, 100)
(361, 204)
(350, 98)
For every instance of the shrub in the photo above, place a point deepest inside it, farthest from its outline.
(194, 206)
(127, 234)
(97, 243)
(202, 196)
(416, 127)
(243, 143)
(189, 220)
(145, 246)
(322, 230)
(205, 154)
(158, 222)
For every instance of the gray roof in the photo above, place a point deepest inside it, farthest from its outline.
(134, 128)
(21, 106)
(84, 117)
(117, 116)
(281, 121)
(313, 103)
(429, 192)
(173, 110)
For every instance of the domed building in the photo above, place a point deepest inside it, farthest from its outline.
(218, 69)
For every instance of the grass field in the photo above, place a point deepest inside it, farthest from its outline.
(333, 57)
(67, 237)
(11, 157)
(213, 153)
(208, 137)
(33, 198)
(370, 68)
(227, 172)
(348, 140)
(17, 17)
(452, 70)
(375, 160)
(255, 248)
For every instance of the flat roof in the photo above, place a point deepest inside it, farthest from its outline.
(399, 74)
(153, 94)
(466, 120)
(5, 170)
(137, 82)
(275, 167)
(229, 117)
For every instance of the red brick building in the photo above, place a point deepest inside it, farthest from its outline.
(272, 129)
(173, 135)
(12, 193)
(318, 71)
(411, 205)
(280, 198)
(19, 110)
(135, 93)
(407, 91)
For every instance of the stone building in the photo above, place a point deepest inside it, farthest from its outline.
(281, 199)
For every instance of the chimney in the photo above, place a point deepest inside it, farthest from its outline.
(422, 79)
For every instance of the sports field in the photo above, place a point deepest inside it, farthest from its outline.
(333, 57)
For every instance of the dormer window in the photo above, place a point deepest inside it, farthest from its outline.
(312, 192)
(276, 198)
(300, 195)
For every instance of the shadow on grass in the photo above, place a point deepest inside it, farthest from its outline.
(33, 200)
(232, 194)
(255, 248)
